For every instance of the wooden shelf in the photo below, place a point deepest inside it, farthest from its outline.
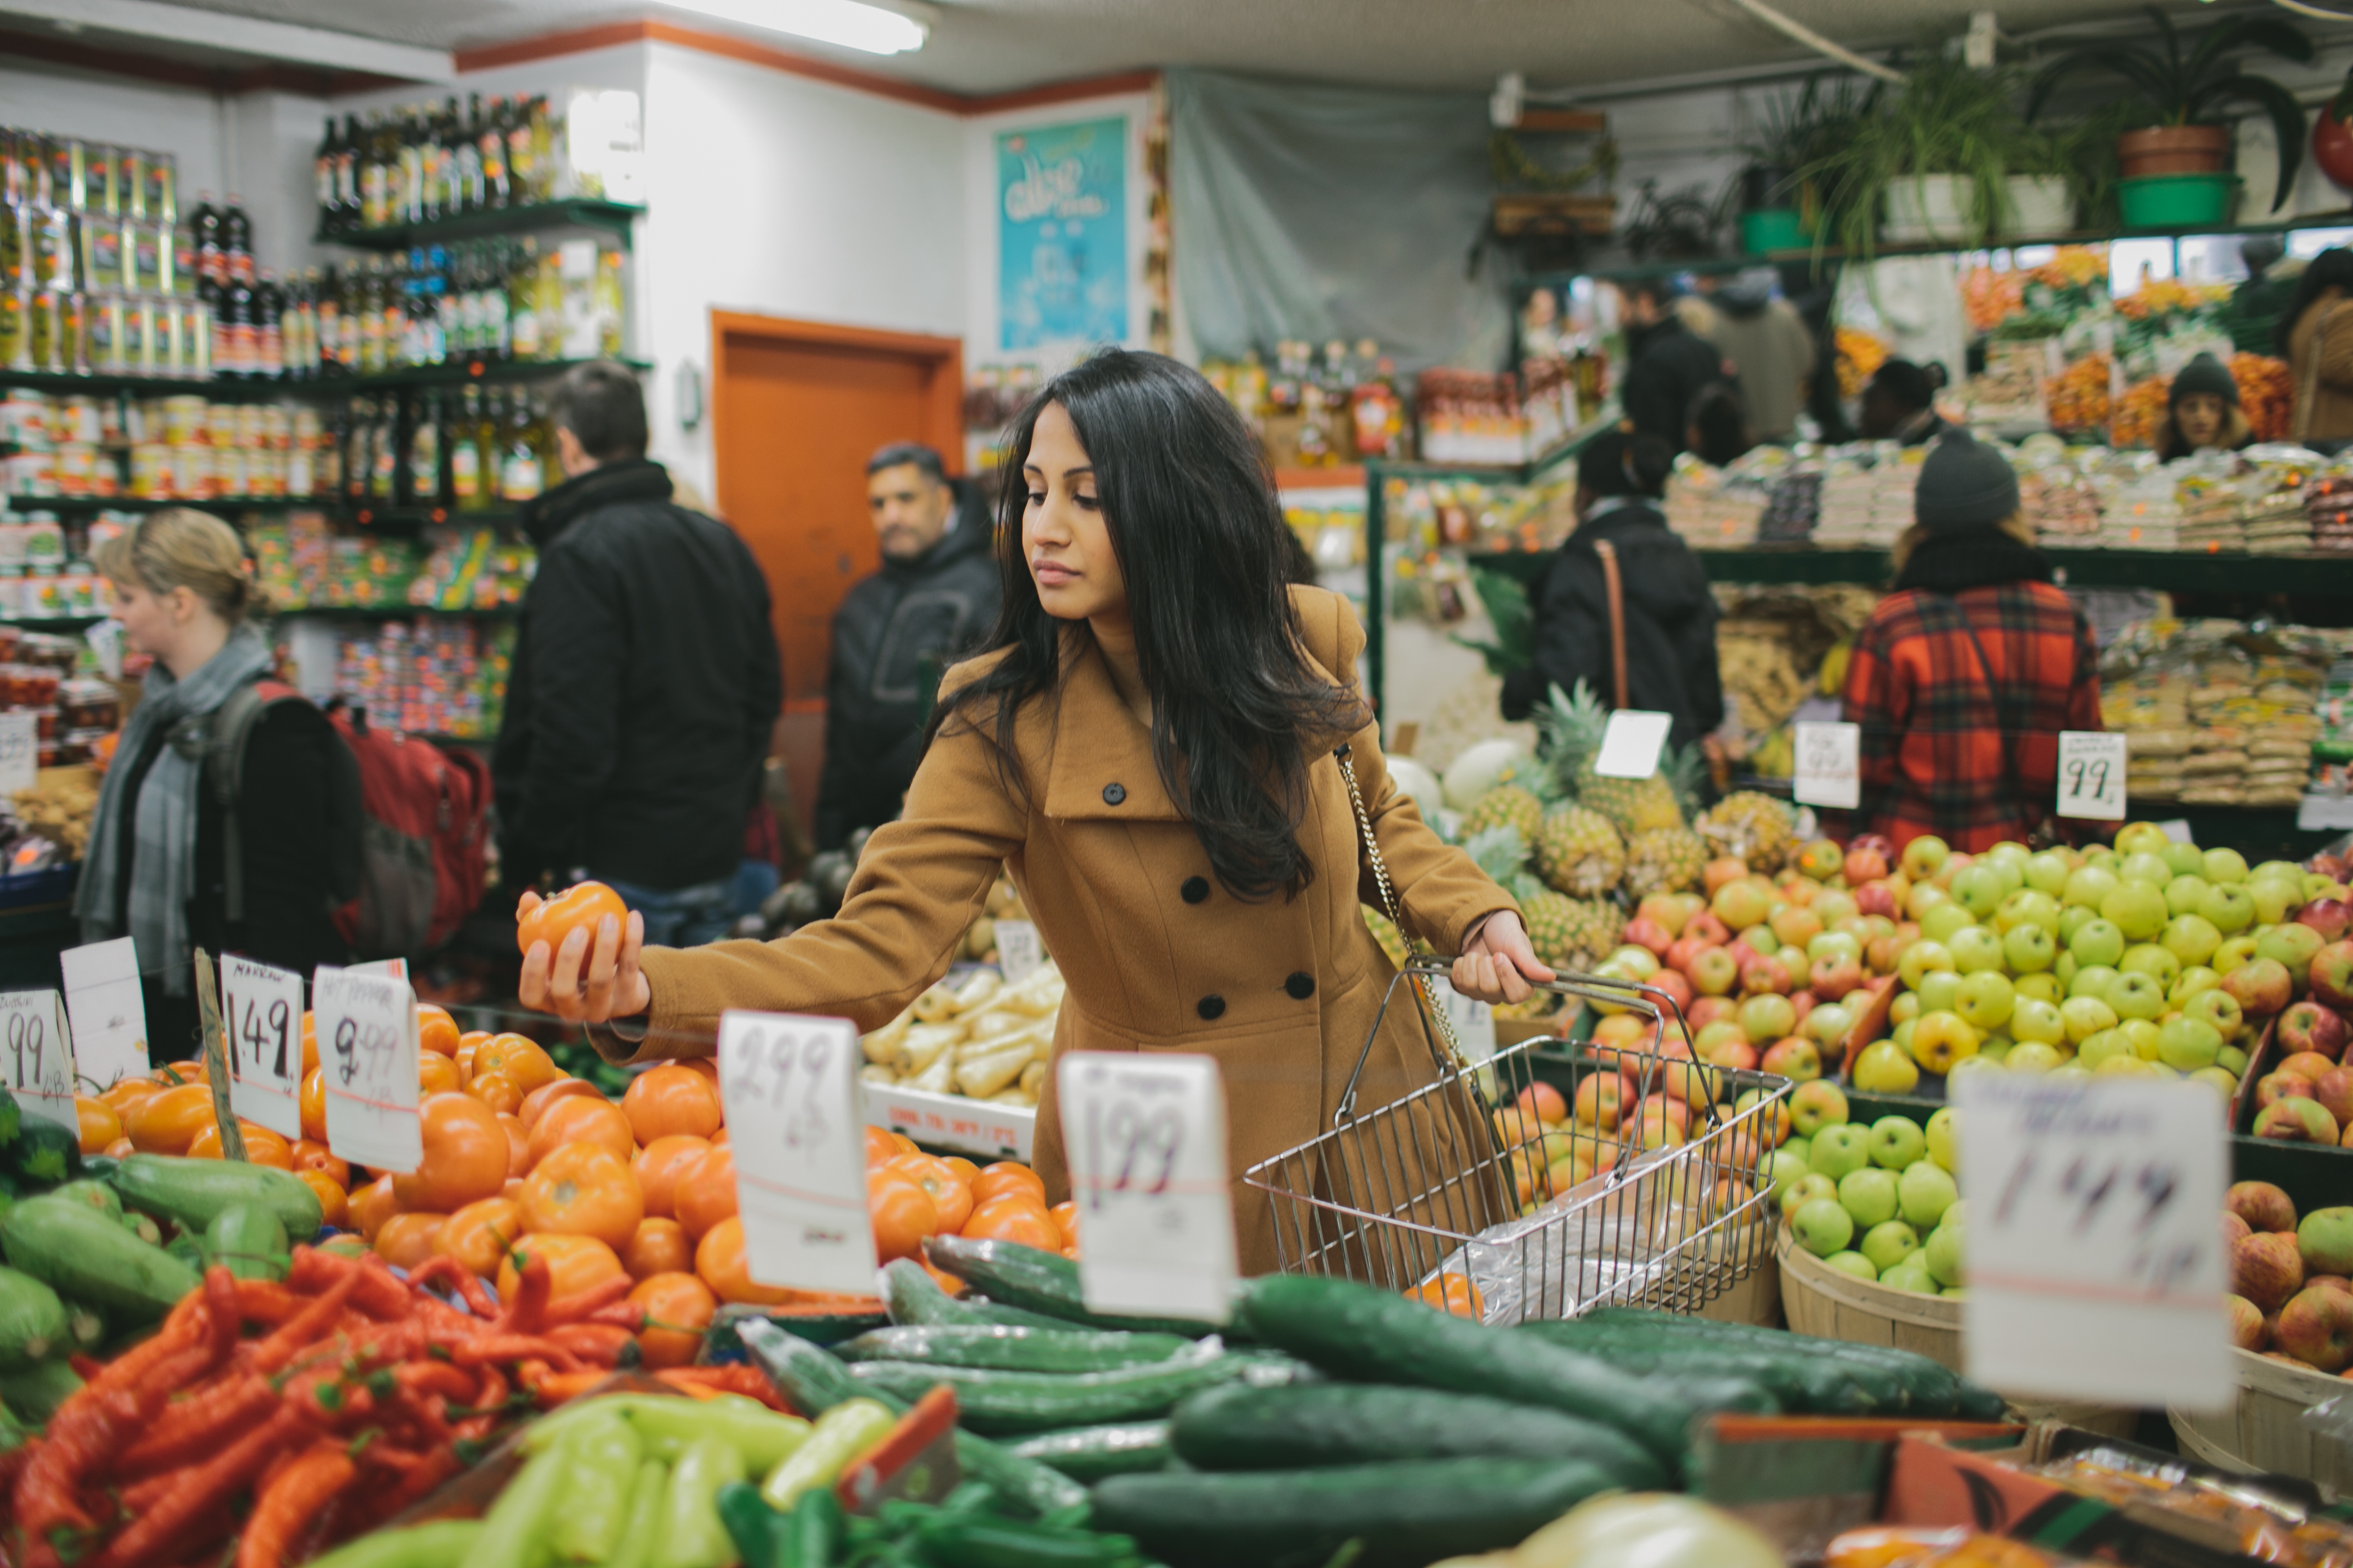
(615, 217)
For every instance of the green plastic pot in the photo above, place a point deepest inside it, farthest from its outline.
(2177, 201)
(1768, 229)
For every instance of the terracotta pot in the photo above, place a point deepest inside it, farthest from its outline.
(2173, 150)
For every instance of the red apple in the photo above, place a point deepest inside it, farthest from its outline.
(2233, 1227)
(1834, 976)
(2263, 1207)
(1865, 865)
(2331, 972)
(2334, 1089)
(2327, 1282)
(2309, 1026)
(1796, 1059)
(2317, 1327)
(2247, 1330)
(1682, 950)
(1759, 975)
(2296, 1120)
(1706, 1010)
(1678, 987)
(2274, 1087)
(1707, 928)
(1714, 970)
(1877, 843)
(2329, 917)
(1803, 1001)
(1875, 897)
(2261, 987)
(2267, 1270)
(1881, 953)
(1737, 1055)
(1598, 1100)
(1646, 932)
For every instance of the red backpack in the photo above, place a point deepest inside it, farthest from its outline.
(410, 823)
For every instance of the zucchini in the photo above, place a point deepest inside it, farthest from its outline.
(1806, 1384)
(144, 1228)
(191, 1194)
(1934, 1389)
(82, 1254)
(914, 1299)
(35, 1393)
(1364, 1335)
(96, 1193)
(248, 1240)
(997, 1402)
(42, 1154)
(33, 1323)
(1398, 1515)
(1038, 1281)
(1092, 1453)
(1312, 1426)
(1001, 1348)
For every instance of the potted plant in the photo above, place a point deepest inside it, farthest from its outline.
(1777, 210)
(1931, 157)
(2179, 92)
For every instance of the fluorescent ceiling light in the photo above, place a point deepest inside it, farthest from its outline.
(848, 22)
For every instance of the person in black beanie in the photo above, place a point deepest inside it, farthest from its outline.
(2202, 412)
(1899, 404)
(1966, 673)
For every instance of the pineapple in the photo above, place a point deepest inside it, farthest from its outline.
(1506, 805)
(1664, 860)
(1572, 732)
(1596, 933)
(1749, 827)
(1579, 852)
(1552, 921)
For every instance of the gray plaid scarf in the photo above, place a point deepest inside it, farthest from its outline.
(163, 818)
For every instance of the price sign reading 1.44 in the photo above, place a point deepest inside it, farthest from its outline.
(36, 1056)
(261, 1013)
(796, 1125)
(366, 1028)
(2091, 775)
(1145, 1138)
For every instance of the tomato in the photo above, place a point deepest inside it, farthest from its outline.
(262, 1147)
(99, 1124)
(496, 1090)
(964, 1169)
(579, 906)
(678, 1308)
(310, 1154)
(334, 1204)
(669, 1100)
(948, 1283)
(720, 1262)
(1451, 1293)
(518, 1145)
(704, 1193)
(535, 1104)
(168, 1122)
(315, 1106)
(467, 1044)
(436, 1075)
(903, 1214)
(574, 1262)
(1015, 1220)
(579, 1119)
(583, 1189)
(660, 1165)
(1065, 1216)
(1005, 1176)
(407, 1240)
(478, 1235)
(950, 1197)
(518, 1060)
(437, 1031)
(2332, 139)
(659, 1248)
(127, 1093)
(309, 1042)
(465, 1156)
(707, 1066)
(881, 1147)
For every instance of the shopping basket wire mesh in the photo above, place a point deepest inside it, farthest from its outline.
(1653, 1192)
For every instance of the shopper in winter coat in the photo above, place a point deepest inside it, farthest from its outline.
(645, 685)
(1669, 365)
(1964, 675)
(895, 634)
(2202, 412)
(1770, 346)
(1899, 404)
(1669, 615)
(1166, 748)
(156, 868)
(2315, 338)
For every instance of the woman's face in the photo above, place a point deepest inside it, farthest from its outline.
(1064, 537)
(2200, 416)
(150, 621)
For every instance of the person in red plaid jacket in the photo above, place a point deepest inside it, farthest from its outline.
(1966, 673)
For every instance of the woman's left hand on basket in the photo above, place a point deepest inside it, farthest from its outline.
(1498, 963)
(585, 985)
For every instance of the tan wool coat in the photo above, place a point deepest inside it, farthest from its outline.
(2320, 369)
(1157, 957)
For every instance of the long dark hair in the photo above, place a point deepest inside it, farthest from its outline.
(2332, 269)
(1192, 516)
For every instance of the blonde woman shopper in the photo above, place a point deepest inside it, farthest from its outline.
(158, 867)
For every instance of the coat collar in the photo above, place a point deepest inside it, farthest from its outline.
(1099, 744)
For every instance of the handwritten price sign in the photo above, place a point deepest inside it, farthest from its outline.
(799, 1129)
(366, 1028)
(1829, 770)
(1146, 1136)
(2091, 775)
(37, 1057)
(2095, 1267)
(261, 1013)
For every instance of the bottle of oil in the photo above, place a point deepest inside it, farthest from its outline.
(522, 469)
(427, 481)
(467, 491)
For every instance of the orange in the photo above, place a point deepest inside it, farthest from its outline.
(903, 1214)
(535, 1104)
(129, 1092)
(678, 1308)
(437, 1031)
(660, 1165)
(407, 1240)
(575, 1262)
(1065, 1216)
(577, 1120)
(1451, 1293)
(704, 1193)
(720, 1262)
(1011, 1219)
(168, 1122)
(334, 1206)
(99, 1124)
(518, 1060)
(881, 1147)
(665, 1100)
(659, 1248)
(436, 1074)
(496, 1090)
(952, 1198)
(262, 1147)
(465, 1156)
(518, 1145)
(467, 1044)
(311, 1155)
(315, 1106)
(1005, 1176)
(583, 1189)
(478, 1235)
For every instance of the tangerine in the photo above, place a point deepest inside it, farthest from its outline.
(407, 1240)
(1008, 1176)
(535, 1104)
(659, 1247)
(573, 1263)
(902, 1214)
(577, 1120)
(98, 1124)
(310, 1154)
(478, 1235)
(704, 1193)
(262, 1147)
(720, 1262)
(583, 1189)
(496, 1090)
(335, 1203)
(313, 1103)
(437, 1032)
(1014, 1220)
(167, 1121)
(660, 1165)
(519, 1060)
(671, 1099)
(465, 1157)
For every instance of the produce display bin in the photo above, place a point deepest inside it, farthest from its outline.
(951, 1122)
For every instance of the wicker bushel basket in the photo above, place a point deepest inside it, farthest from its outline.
(2264, 1429)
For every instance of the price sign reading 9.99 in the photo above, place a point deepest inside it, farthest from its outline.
(2091, 775)
(795, 1122)
(366, 1028)
(1145, 1139)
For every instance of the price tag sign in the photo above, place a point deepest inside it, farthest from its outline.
(1145, 1139)
(1830, 765)
(261, 1013)
(391, 968)
(366, 1028)
(2091, 775)
(20, 758)
(36, 1056)
(1018, 950)
(109, 1015)
(798, 1129)
(1630, 744)
(2095, 1267)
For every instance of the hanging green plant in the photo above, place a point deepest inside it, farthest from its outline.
(1510, 165)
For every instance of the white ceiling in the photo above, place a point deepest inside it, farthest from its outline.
(992, 45)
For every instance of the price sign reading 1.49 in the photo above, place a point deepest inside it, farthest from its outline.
(1145, 1138)
(796, 1125)
(36, 1056)
(2092, 775)
(366, 1030)
(261, 1013)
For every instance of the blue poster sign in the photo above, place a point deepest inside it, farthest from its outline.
(1063, 233)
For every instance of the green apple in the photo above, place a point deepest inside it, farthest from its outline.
(1815, 1105)
(2187, 1044)
(1943, 1253)
(1911, 1275)
(1968, 1066)
(1884, 1067)
(2098, 943)
(1980, 887)
(2195, 978)
(2234, 951)
(2191, 938)
(2273, 898)
(2125, 1065)
(2225, 865)
(2219, 1009)
(1813, 1185)
(2294, 945)
(2158, 962)
(1922, 897)
(2232, 1061)
(2048, 872)
(1841, 1150)
(1902, 1033)
(1945, 919)
(2028, 948)
(2063, 972)
(2184, 858)
(2135, 908)
(2228, 907)
(2141, 838)
(1995, 1047)
(2087, 885)
(1868, 1195)
(1906, 1005)
(2070, 1072)
(1924, 856)
(1958, 1215)
(2073, 918)
(1923, 958)
(1786, 1170)
(1800, 1145)
(2183, 894)
(1939, 990)
(2287, 869)
(1897, 1142)
(1945, 1139)
(1828, 1024)
(2030, 1056)
(1823, 1226)
(2096, 1050)
(2136, 997)
(2147, 867)
(2041, 987)
(2092, 981)
(2141, 1037)
(1854, 1263)
(1833, 944)
(1889, 1243)
(2222, 1083)
(1925, 1192)
(2100, 855)
(1986, 999)
(2034, 1019)
(1974, 948)
(1759, 938)
(2085, 1016)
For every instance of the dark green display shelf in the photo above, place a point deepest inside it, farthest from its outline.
(395, 611)
(614, 217)
(456, 372)
(225, 388)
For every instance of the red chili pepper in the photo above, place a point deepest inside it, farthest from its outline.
(224, 1318)
(493, 1391)
(164, 1527)
(441, 1377)
(272, 1352)
(562, 1388)
(283, 1506)
(598, 1343)
(579, 1304)
(377, 1294)
(85, 1367)
(428, 1472)
(526, 1309)
(461, 1280)
(493, 1347)
(80, 1436)
(735, 1377)
(190, 1429)
(267, 1301)
(627, 1315)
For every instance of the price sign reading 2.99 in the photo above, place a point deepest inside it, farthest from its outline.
(2091, 775)
(366, 1030)
(261, 1012)
(1146, 1136)
(795, 1122)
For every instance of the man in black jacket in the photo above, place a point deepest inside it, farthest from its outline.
(1670, 366)
(646, 682)
(931, 604)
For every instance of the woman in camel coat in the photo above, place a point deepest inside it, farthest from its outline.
(2315, 338)
(1169, 803)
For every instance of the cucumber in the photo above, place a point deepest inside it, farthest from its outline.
(1092, 1453)
(998, 1401)
(1934, 1389)
(33, 1323)
(191, 1194)
(42, 1154)
(96, 1193)
(1000, 1348)
(144, 1228)
(1817, 1385)
(1312, 1426)
(1038, 1281)
(914, 1299)
(82, 1254)
(34, 1394)
(1398, 1515)
(85, 1328)
(248, 1240)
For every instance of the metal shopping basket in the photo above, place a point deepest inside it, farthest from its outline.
(1455, 1183)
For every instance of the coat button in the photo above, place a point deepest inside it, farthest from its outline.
(1114, 794)
(1194, 890)
(1302, 985)
(1211, 1008)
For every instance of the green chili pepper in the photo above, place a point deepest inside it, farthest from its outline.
(841, 1434)
(813, 1533)
(668, 1424)
(692, 1535)
(751, 1523)
(646, 1496)
(605, 1453)
(515, 1530)
(433, 1545)
(963, 1540)
(972, 1496)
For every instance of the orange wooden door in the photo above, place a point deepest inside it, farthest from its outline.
(796, 408)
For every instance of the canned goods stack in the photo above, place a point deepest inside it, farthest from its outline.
(70, 716)
(432, 676)
(182, 448)
(303, 564)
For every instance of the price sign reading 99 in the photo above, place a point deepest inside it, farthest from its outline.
(366, 1030)
(36, 1056)
(791, 1090)
(1146, 1136)
(261, 1012)
(2091, 775)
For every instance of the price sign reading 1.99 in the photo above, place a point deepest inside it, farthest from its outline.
(2091, 775)
(1145, 1138)
(798, 1130)
(366, 1028)
(261, 1013)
